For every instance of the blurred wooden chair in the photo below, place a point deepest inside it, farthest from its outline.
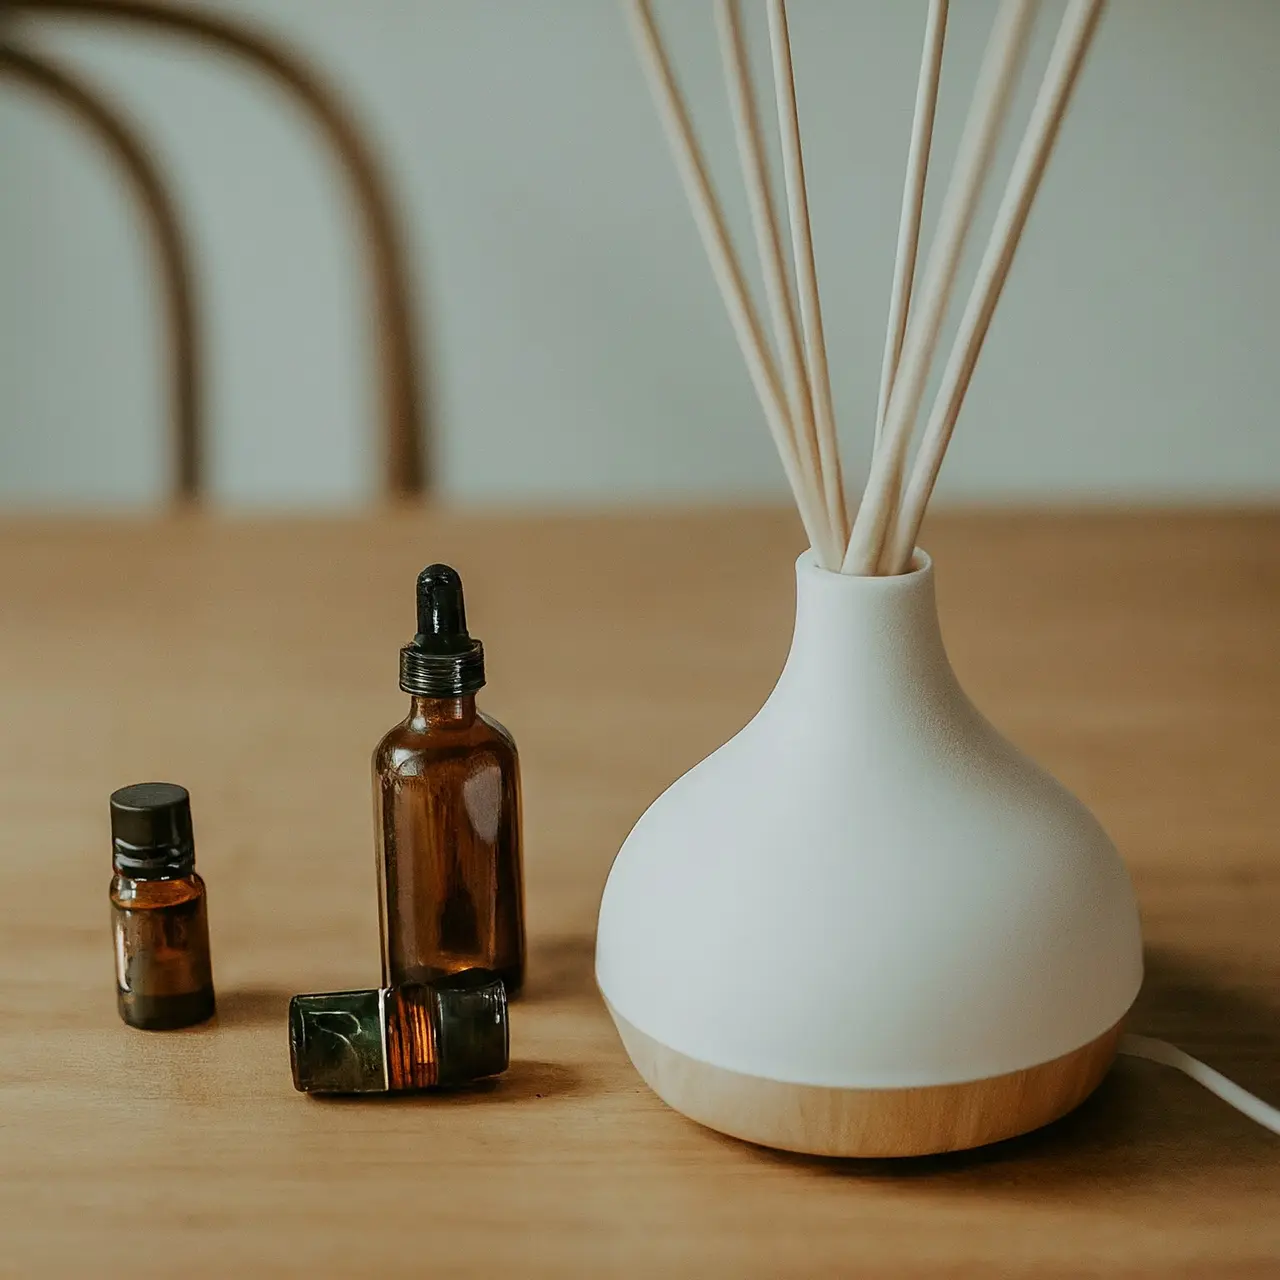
(405, 450)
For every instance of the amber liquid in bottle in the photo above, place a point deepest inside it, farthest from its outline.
(447, 811)
(163, 975)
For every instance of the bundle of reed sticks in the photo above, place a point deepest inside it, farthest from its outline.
(790, 374)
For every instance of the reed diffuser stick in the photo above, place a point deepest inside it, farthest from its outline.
(904, 264)
(764, 218)
(987, 109)
(725, 265)
(1074, 36)
(805, 268)
(798, 406)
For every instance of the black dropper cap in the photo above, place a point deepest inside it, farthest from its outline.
(151, 831)
(442, 660)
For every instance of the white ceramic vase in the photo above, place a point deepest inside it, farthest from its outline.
(867, 924)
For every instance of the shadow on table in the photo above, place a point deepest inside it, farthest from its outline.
(1144, 1121)
(522, 1081)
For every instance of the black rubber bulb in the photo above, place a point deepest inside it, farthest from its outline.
(442, 612)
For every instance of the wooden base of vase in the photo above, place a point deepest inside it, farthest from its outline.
(869, 1122)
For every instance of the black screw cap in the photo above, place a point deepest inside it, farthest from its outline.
(151, 835)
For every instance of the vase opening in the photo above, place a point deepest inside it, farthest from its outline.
(921, 562)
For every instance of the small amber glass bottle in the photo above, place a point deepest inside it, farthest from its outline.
(447, 810)
(399, 1038)
(158, 920)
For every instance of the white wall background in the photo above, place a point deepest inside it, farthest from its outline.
(578, 347)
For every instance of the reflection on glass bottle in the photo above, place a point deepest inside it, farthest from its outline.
(447, 810)
(159, 924)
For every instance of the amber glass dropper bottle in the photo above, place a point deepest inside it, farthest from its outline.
(446, 784)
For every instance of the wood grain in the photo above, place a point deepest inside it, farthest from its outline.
(1135, 656)
(869, 1122)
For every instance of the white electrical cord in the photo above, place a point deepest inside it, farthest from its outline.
(1230, 1092)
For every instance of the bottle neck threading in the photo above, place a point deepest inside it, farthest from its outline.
(153, 864)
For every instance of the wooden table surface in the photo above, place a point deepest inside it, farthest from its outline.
(255, 661)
